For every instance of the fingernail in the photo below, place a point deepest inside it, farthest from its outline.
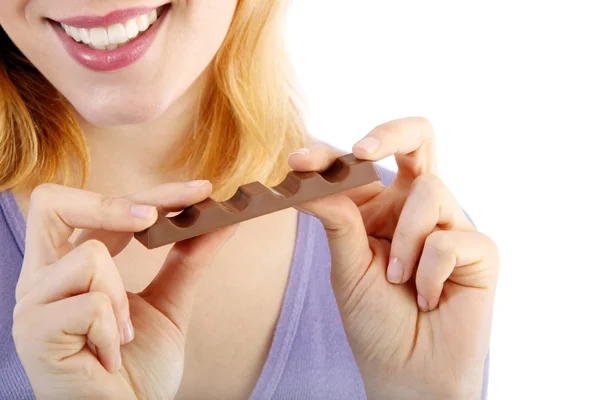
(368, 144)
(303, 151)
(127, 332)
(422, 303)
(139, 211)
(394, 271)
(193, 184)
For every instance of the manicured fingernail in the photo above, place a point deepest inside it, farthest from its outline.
(395, 271)
(368, 144)
(193, 184)
(303, 151)
(139, 211)
(422, 303)
(127, 332)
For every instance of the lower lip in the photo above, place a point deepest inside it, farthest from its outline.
(110, 60)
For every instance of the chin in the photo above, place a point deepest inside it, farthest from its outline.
(121, 112)
(116, 119)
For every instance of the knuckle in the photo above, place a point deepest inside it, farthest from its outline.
(22, 327)
(106, 204)
(348, 216)
(18, 312)
(342, 220)
(321, 148)
(21, 290)
(492, 249)
(41, 193)
(98, 259)
(439, 244)
(428, 185)
(421, 124)
(391, 128)
(426, 125)
(100, 304)
(17, 322)
(94, 252)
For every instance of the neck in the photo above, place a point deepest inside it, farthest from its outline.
(131, 158)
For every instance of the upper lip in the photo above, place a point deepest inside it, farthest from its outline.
(114, 17)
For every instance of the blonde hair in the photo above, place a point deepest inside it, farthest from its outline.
(246, 127)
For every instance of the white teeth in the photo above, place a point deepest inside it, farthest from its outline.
(75, 34)
(132, 29)
(152, 17)
(98, 36)
(143, 22)
(85, 35)
(114, 36)
(117, 34)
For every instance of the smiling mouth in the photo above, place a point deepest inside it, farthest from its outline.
(116, 35)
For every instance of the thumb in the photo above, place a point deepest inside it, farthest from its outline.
(349, 247)
(169, 197)
(173, 290)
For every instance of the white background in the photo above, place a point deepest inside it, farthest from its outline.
(513, 90)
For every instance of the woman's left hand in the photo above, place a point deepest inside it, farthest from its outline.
(414, 280)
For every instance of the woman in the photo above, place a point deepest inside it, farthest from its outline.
(114, 112)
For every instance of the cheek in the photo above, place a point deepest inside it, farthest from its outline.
(27, 31)
(16, 21)
(10, 10)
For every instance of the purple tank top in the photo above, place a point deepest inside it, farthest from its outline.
(309, 358)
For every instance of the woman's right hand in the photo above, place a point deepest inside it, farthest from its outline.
(74, 323)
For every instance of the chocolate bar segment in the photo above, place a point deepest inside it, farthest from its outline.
(254, 199)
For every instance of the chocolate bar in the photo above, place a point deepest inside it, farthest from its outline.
(254, 199)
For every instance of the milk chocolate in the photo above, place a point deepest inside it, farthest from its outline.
(254, 199)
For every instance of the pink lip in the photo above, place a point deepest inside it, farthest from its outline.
(104, 60)
(115, 17)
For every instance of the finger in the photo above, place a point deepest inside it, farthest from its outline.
(349, 247)
(469, 259)
(429, 205)
(67, 325)
(56, 211)
(88, 268)
(90, 316)
(319, 158)
(174, 289)
(410, 139)
(170, 197)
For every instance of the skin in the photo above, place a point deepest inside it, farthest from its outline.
(419, 332)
